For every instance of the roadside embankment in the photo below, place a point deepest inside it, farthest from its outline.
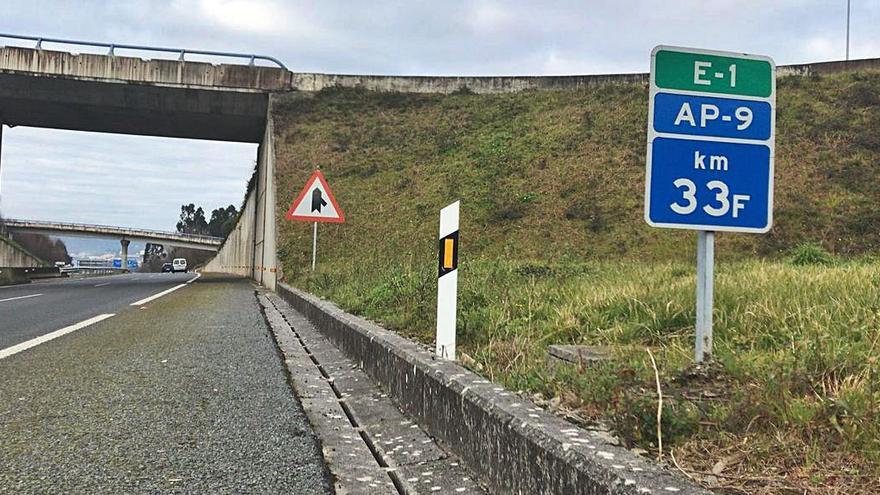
(513, 445)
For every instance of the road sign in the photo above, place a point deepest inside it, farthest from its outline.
(447, 282)
(711, 137)
(316, 202)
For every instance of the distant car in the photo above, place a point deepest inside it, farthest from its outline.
(178, 265)
(167, 267)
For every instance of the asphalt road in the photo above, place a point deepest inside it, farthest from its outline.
(182, 394)
(30, 310)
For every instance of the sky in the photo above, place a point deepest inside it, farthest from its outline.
(52, 175)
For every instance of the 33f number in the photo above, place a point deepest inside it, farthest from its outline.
(724, 202)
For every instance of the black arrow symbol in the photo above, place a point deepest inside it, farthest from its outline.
(317, 201)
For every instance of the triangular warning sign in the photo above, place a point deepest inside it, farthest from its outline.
(316, 203)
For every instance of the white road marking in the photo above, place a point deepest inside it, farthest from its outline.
(165, 292)
(19, 297)
(51, 336)
(102, 285)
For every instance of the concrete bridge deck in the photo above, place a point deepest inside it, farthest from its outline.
(206, 243)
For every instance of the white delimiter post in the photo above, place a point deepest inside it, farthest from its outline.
(447, 282)
(705, 288)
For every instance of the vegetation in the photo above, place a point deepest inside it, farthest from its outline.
(554, 250)
(192, 220)
(46, 248)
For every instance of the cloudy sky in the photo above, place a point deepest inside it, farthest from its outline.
(55, 174)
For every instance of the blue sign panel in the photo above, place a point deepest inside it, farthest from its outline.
(711, 139)
(712, 116)
(697, 183)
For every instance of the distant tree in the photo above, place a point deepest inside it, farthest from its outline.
(222, 221)
(153, 250)
(192, 220)
(44, 247)
(194, 258)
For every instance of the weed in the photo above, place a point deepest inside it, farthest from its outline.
(810, 254)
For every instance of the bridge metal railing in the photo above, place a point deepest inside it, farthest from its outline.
(12, 223)
(181, 52)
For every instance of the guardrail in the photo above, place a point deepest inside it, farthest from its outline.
(91, 270)
(182, 52)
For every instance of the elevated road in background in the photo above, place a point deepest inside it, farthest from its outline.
(206, 243)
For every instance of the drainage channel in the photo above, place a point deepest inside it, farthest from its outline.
(368, 441)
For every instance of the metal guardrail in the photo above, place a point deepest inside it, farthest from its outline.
(182, 52)
(13, 223)
(91, 270)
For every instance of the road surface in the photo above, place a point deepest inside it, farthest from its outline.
(184, 393)
(30, 310)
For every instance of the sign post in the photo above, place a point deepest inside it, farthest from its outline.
(316, 203)
(314, 245)
(711, 140)
(447, 282)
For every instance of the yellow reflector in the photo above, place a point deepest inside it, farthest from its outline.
(448, 245)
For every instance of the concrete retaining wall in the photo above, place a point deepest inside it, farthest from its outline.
(446, 85)
(512, 84)
(250, 248)
(511, 444)
(13, 255)
(236, 256)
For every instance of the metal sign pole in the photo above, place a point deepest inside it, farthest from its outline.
(314, 244)
(847, 30)
(705, 289)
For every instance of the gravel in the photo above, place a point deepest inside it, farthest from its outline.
(187, 395)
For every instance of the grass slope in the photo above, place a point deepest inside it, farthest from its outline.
(554, 250)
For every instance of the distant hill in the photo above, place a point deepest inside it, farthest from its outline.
(558, 175)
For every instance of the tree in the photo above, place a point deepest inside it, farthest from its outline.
(44, 247)
(222, 221)
(192, 220)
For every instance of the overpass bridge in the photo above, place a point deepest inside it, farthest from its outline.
(124, 234)
(152, 97)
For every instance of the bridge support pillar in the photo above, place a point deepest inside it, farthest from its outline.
(124, 262)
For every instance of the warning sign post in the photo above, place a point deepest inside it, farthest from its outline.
(316, 203)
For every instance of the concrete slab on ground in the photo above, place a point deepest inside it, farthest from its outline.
(367, 441)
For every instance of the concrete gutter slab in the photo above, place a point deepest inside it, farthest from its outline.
(366, 440)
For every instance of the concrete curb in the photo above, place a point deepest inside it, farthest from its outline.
(514, 446)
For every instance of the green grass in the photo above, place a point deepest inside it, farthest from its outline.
(555, 250)
(796, 345)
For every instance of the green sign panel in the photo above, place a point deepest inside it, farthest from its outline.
(709, 73)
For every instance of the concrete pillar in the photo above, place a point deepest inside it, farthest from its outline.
(1, 166)
(125, 243)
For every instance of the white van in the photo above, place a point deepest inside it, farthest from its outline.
(178, 265)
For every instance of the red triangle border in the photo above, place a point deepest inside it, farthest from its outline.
(320, 177)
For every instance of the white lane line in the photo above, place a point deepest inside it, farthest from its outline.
(164, 292)
(19, 297)
(51, 336)
(102, 285)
